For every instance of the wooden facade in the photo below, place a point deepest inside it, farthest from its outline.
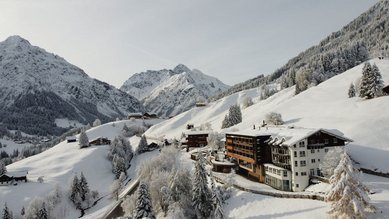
(8, 177)
(100, 141)
(249, 152)
(197, 140)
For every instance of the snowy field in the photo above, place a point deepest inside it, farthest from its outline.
(59, 163)
(324, 106)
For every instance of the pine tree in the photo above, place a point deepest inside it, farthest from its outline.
(23, 211)
(83, 186)
(142, 146)
(364, 87)
(216, 201)
(226, 122)
(119, 166)
(348, 195)
(75, 190)
(235, 115)
(3, 168)
(144, 208)
(351, 91)
(376, 81)
(97, 122)
(83, 140)
(201, 195)
(42, 213)
(7, 213)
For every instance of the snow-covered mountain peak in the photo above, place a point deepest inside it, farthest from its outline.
(169, 92)
(16, 40)
(180, 68)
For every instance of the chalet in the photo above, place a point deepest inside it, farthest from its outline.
(249, 151)
(13, 177)
(385, 90)
(296, 154)
(135, 115)
(196, 139)
(100, 141)
(282, 157)
(201, 104)
(150, 116)
(70, 139)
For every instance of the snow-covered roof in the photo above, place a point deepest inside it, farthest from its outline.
(71, 138)
(285, 135)
(17, 173)
(225, 162)
(135, 114)
(97, 138)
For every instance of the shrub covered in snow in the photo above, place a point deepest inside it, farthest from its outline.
(274, 118)
(97, 122)
(83, 140)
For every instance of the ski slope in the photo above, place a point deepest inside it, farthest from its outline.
(324, 106)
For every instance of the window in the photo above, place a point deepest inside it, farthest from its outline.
(295, 154)
(326, 141)
(285, 173)
(318, 160)
(297, 173)
(303, 163)
(302, 153)
(296, 163)
(303, 173)
(335, 140)
(297, 185)
(302, 144)
(294, 146)
(326, 150)
(313, 161)
(312, 151)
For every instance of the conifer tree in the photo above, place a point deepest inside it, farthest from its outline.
(376, 81)
(83, 140)
(226, 122)
(75, 190)
(201, 195)
(144, 208)
(348, 195)
(364, 84)
(142, 146)
(42, 213)
(351, 91)
(216, 201)
(235, 115)
(7, 213)
(83, 186)
(3, 168)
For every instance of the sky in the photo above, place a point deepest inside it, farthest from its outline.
(228, 39)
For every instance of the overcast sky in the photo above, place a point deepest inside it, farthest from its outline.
(230, 39)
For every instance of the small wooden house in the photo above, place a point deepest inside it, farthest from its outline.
(70, 139)
(135, 115)
(150, 116)
(385, 90)
(196, 139)
(13, 176)
(100, 141)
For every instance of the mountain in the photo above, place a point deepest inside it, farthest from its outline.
(38, 89)
(170, 92)
(364, 37)
(324, 106)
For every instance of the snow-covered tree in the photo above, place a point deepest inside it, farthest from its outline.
(142, 146)
(115, 189)
(247, 101)
(217, 201)
(274, 118)
(351, 91)
(348, 195)
(42, 212)
(201, 195)
(3, 168)
(74, 192)
(7, 213)
(119, 166)
(83, 186)
(175, 211)
(214, 140)
(371, 82)
(166, 199)
(144, 208)
(235, 115)
(23, 211)
(376, 81)
(97, 122)
(80, 194)
(226, 122)
(83, 140)
(331, 161)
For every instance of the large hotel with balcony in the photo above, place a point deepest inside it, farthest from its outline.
(282, 157)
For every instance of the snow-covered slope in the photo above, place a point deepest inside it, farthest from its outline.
(59, 163)
(43, 87)
(324, 106)
(170, 92)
